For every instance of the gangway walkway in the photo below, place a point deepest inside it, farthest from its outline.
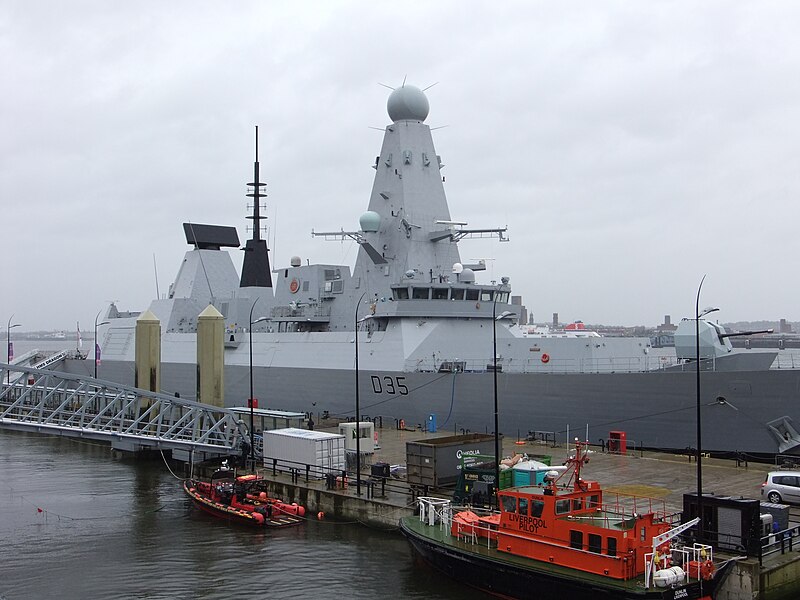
(130, 419)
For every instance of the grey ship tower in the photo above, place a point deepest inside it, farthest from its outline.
(255, 268)
(407, 235)
(407, 201)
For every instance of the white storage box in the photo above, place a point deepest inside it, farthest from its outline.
(295, 448)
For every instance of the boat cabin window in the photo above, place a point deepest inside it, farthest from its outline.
(562, 506)
(440, 293)
(458, 294)
(421, 293)
(577, 503)
(612, 546)
(594, 501)
(509, 504)
(486, 295)
(576, 539)
(472, 294)
(595, 543)
(537, 506)
(400, 293)
(523, 506)
(502, 297)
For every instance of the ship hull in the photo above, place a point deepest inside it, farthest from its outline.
(490, 572)
(655, 409)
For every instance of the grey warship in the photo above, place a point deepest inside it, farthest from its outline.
(424, 326)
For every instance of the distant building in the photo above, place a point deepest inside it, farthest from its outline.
(785, 327)
(667, 325)
(522, 312)
(555, 321)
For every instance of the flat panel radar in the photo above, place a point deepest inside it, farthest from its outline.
(211, 237)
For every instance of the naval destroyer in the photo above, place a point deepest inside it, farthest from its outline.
(424, 328)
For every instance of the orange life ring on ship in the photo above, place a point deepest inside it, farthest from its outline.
(545, 358)
(294, 285)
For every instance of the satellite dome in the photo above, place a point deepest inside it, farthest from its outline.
(408, 103)
(370, 221)
(458, 268)
(467, 276)
(295, 261)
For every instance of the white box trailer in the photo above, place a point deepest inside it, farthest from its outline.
(323, 451)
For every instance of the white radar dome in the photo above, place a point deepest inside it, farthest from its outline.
(458, 268)
(295, 261)
(370, 221)
(408, 103)
(467, 276)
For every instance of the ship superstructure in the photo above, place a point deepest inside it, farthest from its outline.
(426, 325)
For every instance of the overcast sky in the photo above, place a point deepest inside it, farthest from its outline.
(630, 147)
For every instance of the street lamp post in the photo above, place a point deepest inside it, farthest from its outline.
(251, 400)
(8, 338)
(96, 344)
(358, 408)
(699, 457)
(496, 318)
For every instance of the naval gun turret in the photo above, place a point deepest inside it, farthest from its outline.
(714, 339)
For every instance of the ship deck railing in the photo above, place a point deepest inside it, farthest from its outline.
(554, 365)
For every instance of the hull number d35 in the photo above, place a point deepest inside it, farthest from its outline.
(389, 385)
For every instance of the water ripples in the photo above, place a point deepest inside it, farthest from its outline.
(123, 529)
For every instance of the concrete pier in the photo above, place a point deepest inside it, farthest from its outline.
(655, 475)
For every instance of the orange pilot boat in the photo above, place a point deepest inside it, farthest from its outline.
(566, 537)
(242, 499)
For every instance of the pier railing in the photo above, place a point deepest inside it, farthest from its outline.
(780, 542)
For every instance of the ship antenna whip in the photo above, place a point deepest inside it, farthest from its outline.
(155, 271)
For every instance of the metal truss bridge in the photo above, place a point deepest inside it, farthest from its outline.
(130, 419)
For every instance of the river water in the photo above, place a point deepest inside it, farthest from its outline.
(122, 528)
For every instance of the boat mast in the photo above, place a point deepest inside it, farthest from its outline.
(255, 269)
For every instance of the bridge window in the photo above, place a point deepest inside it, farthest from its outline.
(577, 503)
(594, 501)
(400, 293)
(509, 504)
(421, 293)
(537, 506)
(612, 546)
(486, 295)
(457, 293)
(595, 543)
(440, 293)
(576, 539)
(523, 506)
(562, 506)
(472, 294)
